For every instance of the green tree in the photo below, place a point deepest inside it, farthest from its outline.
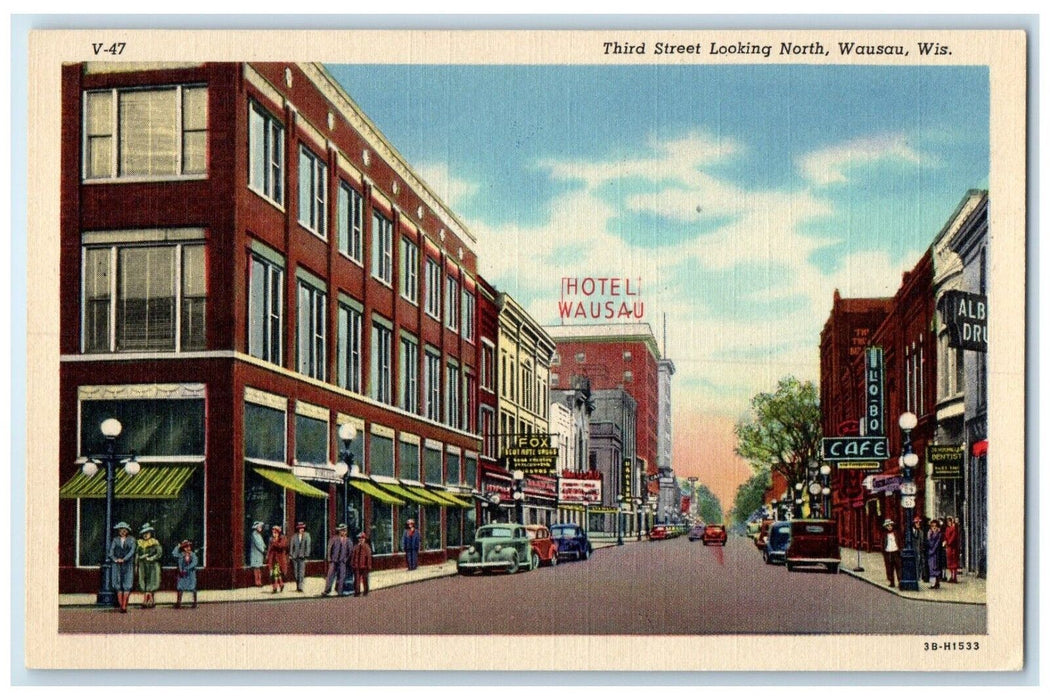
(707, 504)
(750, 495)
(783, 432)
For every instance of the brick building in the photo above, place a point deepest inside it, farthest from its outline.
(247, 265)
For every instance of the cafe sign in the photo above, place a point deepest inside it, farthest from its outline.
(946, 461)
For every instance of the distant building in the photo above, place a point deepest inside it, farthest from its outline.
(570, 420)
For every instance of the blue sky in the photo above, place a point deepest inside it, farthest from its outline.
(742, 196)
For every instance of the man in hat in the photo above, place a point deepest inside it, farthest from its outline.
(257, 552)
(410, 545)
(122, 563)
(361, 561)
(299, 550)
(187, 581)
(891, 553)
(147, 558)
(339, 548)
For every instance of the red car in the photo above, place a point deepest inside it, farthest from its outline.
(544, 549)
(659, 532)
(715, 534)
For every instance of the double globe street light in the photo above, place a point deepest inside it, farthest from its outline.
(346, 469)
(109, 460)
(908, 461)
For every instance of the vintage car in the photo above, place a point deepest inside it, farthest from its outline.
(571, 540)
(544, 548)
(498, 547)
(813, 543)
(696, 533)
(777, 543)
(763, 534)
(659, 532)
(714, 534)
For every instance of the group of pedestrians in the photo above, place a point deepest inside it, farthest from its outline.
(343, 553)
(127, 556)
(936, 546)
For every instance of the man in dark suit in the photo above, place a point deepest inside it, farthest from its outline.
(410, 545)
(339, 548)
(299, 551)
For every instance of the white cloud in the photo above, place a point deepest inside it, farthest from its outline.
(830, 165)
(452, 190)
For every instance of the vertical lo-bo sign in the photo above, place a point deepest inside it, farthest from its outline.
(874, 410)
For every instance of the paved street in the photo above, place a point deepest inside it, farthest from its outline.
(671, 587)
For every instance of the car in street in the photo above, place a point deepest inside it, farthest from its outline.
(777, 543)
(572, 541)
(696, 532)
(763, 534)
(544, 548)
(497, 547)
(813, 543)
(659, 532)
(714, 534)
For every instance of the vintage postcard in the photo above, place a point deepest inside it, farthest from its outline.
(527, 350)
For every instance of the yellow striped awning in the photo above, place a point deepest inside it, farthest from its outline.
(403, 492)
(375, 492)
(455, 499)
(429, 497)
(288, 480)
(152, 481)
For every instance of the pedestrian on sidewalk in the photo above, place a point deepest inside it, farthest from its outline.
(361, 561)
(257, 552)
(934, 545)
(148, 552)
(951, 549)
(299, 550)
(410, 545)
(187, 580)
(339, 549)
(891, 554)
(918, 538)
(277, 559)
(122, 564)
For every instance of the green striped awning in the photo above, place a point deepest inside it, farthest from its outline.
(375, 492)
(431, 497)
(288, 480)
(152, 481)
(455, 499)
(403, 492)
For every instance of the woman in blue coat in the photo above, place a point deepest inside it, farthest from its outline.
(933, 553)
(121, 555)
(187, 581)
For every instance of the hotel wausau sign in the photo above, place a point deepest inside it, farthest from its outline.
(531, 453)
(966, 317)
(946, 461)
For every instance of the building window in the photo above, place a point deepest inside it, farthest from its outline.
(628, 376)
(382, 535)
(409, 268)
(265, 154)
(265, 306)
(454, 415)
(470, 402)
(349, 221)
(432, 465)
(555, 378)
(408, 461)
(432, 385)
(380, 455)
(453, 527)
(452, 307)
(348, 350)
(433, 290)
(408, 364)
(431, 527)
(626, 355)
(311, 329)
(313, 191)
(487, 367)
(555, 359)
(311, 440)
(380, 374)
(488, 431)
(382, 248)
(581, 357)
(146, 133)
(143, 297)
(453, 475)
(468, 316)
(470, 471)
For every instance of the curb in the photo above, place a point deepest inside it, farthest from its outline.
(909, 594)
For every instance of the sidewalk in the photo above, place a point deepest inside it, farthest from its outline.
(313, 585)
(969, 591)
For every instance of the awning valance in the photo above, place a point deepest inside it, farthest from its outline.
(367, 487)
(153, 481)
(455, 499)
(403, 493)
(288, 480)
(431, 497)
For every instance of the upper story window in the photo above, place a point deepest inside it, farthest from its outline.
(432, 385)
(408, 389)
(409, 270)
(312, 329)
(381, 374)
(265, 154)
(142, 292)
(468, 316)
(349, 222)
(382, 248)
(146, 133)
(313, 191)
(266, 307)
(433, 290)
(452, 307)
(348, 346)
(487, 367)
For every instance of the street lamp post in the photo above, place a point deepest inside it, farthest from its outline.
(825, 491)
(109, 460)
(345, 468)
(909, 460)
(799, 486)
(519, 493)
(619, 521)
(641, 516)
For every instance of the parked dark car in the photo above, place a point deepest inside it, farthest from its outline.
(572, 541)
(714, 534)
(696, 533)
(777, 543)
(763, 534)
(813, 543)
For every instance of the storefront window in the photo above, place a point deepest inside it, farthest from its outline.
(382, 528)
(432, 527)
(150, 426)
(453, 527)
(264, 436)
(263, 501)
(470, 524)
(313, 512)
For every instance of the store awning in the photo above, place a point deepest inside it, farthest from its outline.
(367, 487)
(152, 481)
(403, 492)
(288, 480)
(455, 499)
(430, 497)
